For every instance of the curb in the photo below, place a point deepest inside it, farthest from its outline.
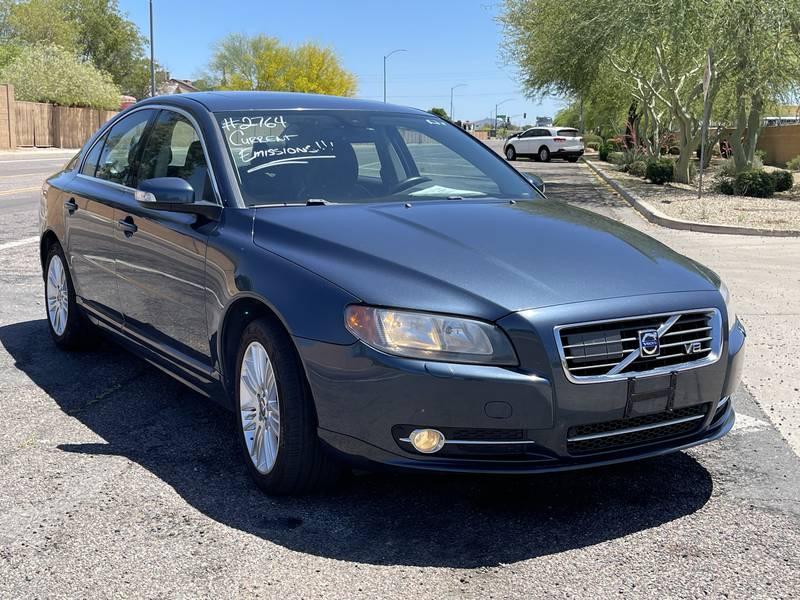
(659, 218)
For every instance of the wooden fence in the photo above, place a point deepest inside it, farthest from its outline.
(36, 124)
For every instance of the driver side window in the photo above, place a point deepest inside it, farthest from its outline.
(174, 149)
(121, 146)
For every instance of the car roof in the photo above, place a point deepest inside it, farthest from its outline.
(233, 101)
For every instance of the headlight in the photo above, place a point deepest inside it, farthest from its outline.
(430, 336)
(726, 296)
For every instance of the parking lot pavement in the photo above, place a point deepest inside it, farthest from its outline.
(117, 481)
(21, 176)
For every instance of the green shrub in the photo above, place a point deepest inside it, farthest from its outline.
(615, 143)
(638, 168)
(659, 171)
(616, 158)
(754, 182)
(794, 164)
(783, 180)
(43, 73)
(674, 151)
(603, 151)
(727, 169)
(592, 138)
(761, 155)
(593, 145)
(723, 185)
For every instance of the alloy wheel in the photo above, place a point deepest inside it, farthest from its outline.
(259, 407)
(57, 293)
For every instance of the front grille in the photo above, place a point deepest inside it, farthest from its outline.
(635, 431)
(603, 350)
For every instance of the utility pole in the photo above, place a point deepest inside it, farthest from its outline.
(452, 118)
(384, 69)
(152, 56)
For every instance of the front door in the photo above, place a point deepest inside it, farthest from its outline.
(161, 254)
(89, 214)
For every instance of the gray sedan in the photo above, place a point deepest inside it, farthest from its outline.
(366, 284)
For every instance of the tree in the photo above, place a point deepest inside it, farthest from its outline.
(261, 62)
(765, 67)
(439, 112)
(78, 83)
(94, 30)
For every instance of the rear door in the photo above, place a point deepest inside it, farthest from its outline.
(89, 213)
(161, 257)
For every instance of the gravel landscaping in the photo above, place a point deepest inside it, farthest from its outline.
(679, 201)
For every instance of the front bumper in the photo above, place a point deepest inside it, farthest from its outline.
(367, 402)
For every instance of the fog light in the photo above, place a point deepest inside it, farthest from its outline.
(426, 441)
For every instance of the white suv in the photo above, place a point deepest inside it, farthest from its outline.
(544, 143)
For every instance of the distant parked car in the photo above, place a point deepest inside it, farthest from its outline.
(544, 143)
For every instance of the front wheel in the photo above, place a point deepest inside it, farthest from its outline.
(69, 328)
(511, 154)
(277, 424)
(544, 154)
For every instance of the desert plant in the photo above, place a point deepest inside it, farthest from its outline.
(616, 158)
(783, 180)
(723, 185)
(756, 183)
(638, 168)
(659, 171)
(794, 164)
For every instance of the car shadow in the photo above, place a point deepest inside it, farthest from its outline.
(420, 520)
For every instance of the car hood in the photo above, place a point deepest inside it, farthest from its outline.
(484, 258)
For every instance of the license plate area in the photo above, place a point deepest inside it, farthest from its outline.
(651, 395)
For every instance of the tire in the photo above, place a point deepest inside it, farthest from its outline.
(573, 159)
(69, 327)
(544, 154)
(511, 154)
(290, 459)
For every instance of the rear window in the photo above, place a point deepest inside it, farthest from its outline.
(568, 133)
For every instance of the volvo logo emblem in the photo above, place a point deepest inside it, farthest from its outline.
(648, 342)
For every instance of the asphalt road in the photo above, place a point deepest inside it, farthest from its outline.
(115, 481)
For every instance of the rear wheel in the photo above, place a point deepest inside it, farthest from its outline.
(573, 158)
(511, 154)
(277, 423)
(69, 327)
(544, 154)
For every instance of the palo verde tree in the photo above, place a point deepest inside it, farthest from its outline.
(261, 62)
(762, 49)
(654, 51)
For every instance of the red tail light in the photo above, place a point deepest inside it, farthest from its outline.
(559, 139)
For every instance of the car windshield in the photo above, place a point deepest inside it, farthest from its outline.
(349, 156)
(568, 133)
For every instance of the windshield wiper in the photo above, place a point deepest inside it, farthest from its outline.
(318, 202)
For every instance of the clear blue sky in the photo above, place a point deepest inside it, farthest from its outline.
(448, 42)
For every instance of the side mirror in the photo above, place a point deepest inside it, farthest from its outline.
(164, 190)
(173, 194)
(535, 181)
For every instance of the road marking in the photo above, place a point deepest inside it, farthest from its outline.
(747, 423)
(19, 190)
(17, 160)
(25, 175)
(22, 242)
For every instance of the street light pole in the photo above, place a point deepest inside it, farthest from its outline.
(384, 69)
(495, 112)
(152, 54)
(452, 118)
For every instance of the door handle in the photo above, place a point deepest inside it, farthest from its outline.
(127, 226)
(71, 205)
